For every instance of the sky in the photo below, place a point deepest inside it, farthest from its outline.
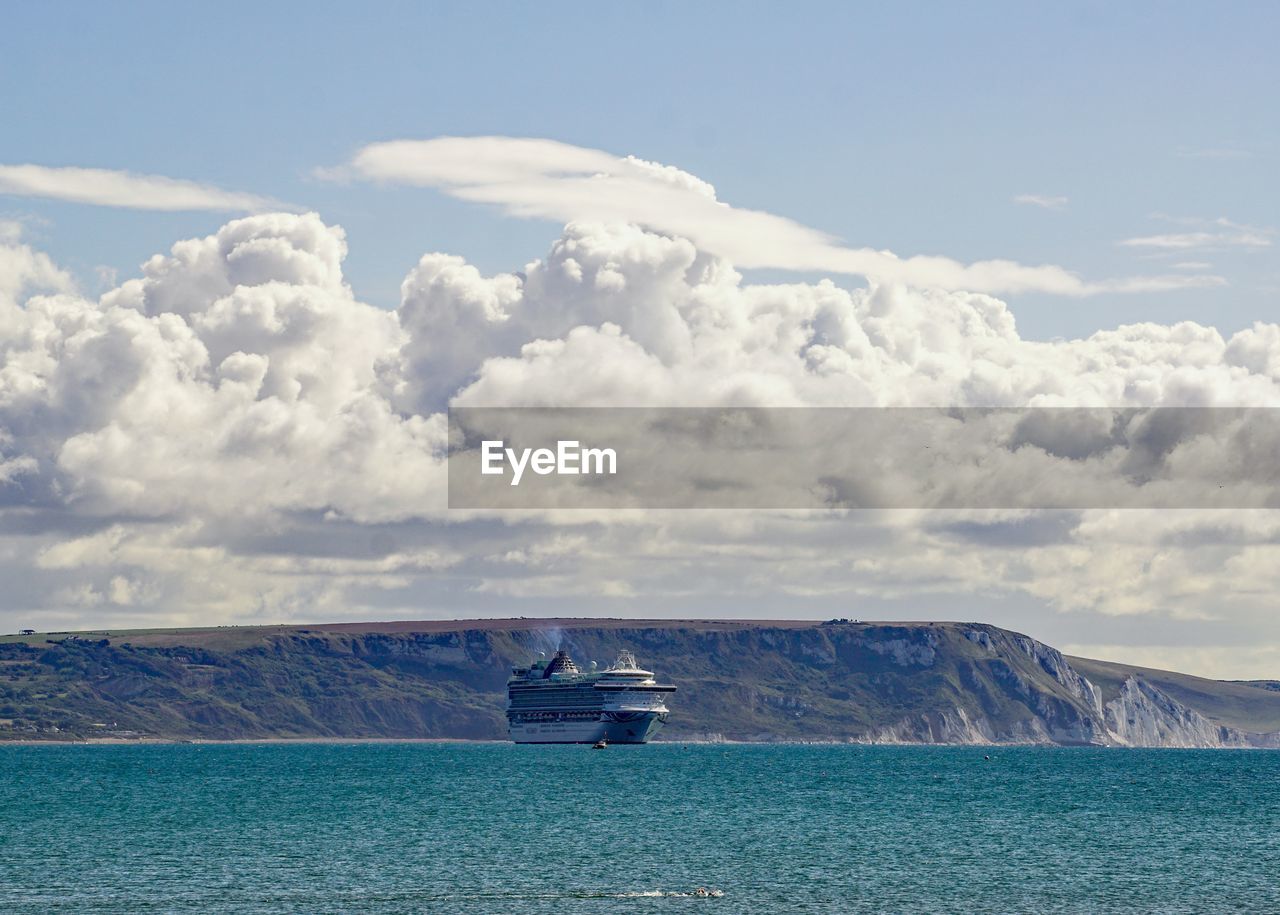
(248, 256)
(911, 127)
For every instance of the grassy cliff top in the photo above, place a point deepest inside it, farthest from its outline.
(232, 637)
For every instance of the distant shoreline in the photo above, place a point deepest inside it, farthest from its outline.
(175, 741)
(263, 741)
(839, 682)
(178, 741)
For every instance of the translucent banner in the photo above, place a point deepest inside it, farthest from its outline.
(850, 458)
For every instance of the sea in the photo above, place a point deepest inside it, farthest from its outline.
(499, 828)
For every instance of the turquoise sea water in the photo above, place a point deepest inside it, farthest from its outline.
(464, 828)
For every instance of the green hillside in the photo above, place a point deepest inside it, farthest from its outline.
(881, 682)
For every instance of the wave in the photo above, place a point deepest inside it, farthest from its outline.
(588, 894)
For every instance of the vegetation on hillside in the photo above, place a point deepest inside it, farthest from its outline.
(931, 682)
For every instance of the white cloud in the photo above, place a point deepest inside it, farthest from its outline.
(107, 187)
(1044, 201)
(233, 436)
(1181, 241)
(1210, 234)
(238, 376)
(545, 179)
(23, 271)
(11, 231)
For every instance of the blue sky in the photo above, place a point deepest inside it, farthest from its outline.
(908, 126)
(237, 438)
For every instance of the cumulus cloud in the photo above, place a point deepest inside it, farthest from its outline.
(23, 271)
(233, 436)
(533, 178)
(236, 377)
(625, 316)
(112, 188)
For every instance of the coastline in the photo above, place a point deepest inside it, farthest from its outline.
(168, 741)
(836, 682)
(264, 741)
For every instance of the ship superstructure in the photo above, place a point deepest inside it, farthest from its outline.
(555, 702)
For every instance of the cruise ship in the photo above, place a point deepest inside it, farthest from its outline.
(555, 702)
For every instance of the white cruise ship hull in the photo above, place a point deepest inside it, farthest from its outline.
(637, 728)
(554, 702)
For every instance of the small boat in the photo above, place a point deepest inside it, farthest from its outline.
(600, 744)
